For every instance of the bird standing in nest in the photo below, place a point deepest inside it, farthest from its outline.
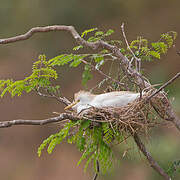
(84, 100)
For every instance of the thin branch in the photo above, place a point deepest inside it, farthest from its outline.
(102, 73)
(138, 67)
(98, 170)
(61, 117)
(164, 85)
(151, 161)
(63, 100)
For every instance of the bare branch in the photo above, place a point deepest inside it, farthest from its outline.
(61, 117)
(102, 73)
(151, 161)
(63, 100)
(137, 60)
(34, 30)
(164, 85)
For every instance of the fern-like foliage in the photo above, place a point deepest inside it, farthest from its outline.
(93, 141)
(146, 51)
(55, 139)
(173, 168)
(42, 74)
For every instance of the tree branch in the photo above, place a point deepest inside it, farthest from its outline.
(61, 117)
(164, 85)
(151, 161)
(137, 60)
(63, 100)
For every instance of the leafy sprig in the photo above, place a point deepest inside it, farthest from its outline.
(147, 51)
(94, 141)
(42, 74)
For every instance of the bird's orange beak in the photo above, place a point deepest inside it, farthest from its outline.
(71, 105)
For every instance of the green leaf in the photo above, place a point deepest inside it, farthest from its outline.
(122, 50)
(81, 143)
(77, 60)
(109, 32)
(155, 54)
(61, 60)
(77, 47)
(160, 47)
(85, 124)
(97, 57)
(169, 37)
(99, 33)
(86, 76)
(174, 167)
(133, 47)
(88, 161)
(94, 39)
(88, 31)
(86, 153)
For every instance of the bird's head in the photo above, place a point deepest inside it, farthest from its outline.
(81, 98)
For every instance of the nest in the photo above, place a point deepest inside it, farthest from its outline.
(138, 116)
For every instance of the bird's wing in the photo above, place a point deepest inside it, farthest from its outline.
(114, 99)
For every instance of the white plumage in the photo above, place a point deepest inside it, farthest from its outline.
(84, 100)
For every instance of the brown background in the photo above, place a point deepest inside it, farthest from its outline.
(18, 145)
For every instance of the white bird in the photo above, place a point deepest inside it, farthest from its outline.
(84, 100)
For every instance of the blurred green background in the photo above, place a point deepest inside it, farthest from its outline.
(18, 145)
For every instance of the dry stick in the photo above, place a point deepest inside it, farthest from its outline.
(61, 117)
(137, 59)
(63, 100)
(164, 85)
(151, 161)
